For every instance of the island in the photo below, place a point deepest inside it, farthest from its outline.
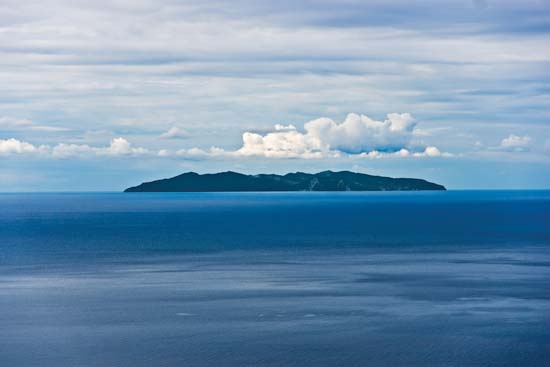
(298, 181)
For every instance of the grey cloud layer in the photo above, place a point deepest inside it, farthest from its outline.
(150, 70)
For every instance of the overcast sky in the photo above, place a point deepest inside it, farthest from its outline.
(105, 94)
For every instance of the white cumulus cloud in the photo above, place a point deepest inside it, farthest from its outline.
(14, 146)
(323, 137)
(287, 144)
(430, 152)
(121, 146)
(360, 133)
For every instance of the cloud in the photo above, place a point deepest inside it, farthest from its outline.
(48, 128)
(13, 123)
(323, 137)
(432, 151)
(359, 133)
(14, 146)
(515, 143)
(280, 127)
(261, 61)
(356, 136)
(429, 151)
(430, 131)
(175, 133)
(283, 144)
(121, 146)
(200, 154)
(70, 150)
(118, 147)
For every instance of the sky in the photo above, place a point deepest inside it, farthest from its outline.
(102, 95)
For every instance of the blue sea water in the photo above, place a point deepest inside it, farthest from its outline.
(457, 278)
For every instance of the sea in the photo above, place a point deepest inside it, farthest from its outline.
(455, 278)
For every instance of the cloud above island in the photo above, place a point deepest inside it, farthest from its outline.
(356, 136)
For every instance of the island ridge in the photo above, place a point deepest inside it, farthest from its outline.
(299, 181)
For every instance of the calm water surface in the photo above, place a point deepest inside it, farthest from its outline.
(275, 279)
